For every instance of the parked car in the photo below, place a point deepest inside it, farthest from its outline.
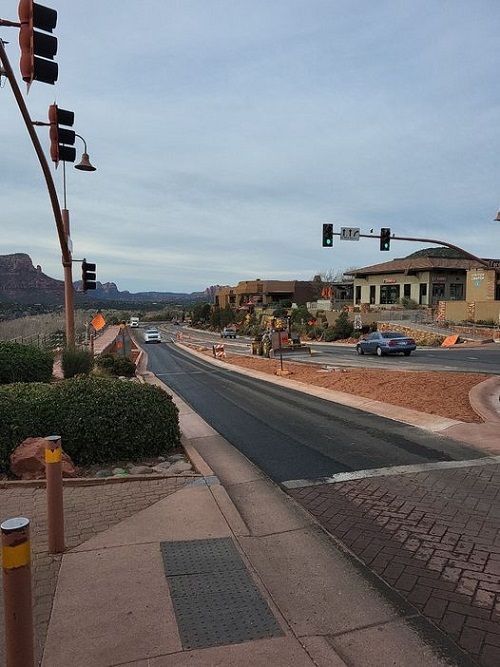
(386, 342)
(152, 336)
(228, 332)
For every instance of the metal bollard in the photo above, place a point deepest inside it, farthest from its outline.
(18, 606)
(55, 506)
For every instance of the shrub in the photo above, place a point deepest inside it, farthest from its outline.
(76, 362)
(123, 366)
(342, 327)
(106, 361)
(329, 335)
(24, 363)
(100, 420)
(116, 365)
(408, 303)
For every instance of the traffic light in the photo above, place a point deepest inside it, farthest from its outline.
(61, 139)
(385, 238)
(37, 48)
(327, 236)
(88, 275)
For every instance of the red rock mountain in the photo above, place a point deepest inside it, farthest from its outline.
(22, 282)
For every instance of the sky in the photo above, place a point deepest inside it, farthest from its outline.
(226, 132)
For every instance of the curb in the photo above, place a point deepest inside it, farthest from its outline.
(485, 399)
(92, 481)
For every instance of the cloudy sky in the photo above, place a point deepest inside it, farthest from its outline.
(226, 132)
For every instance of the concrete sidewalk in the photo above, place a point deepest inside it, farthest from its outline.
(116, 603)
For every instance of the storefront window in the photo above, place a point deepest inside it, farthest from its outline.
(456, 292)
(358, 293)
(389, 293)
(407, 291)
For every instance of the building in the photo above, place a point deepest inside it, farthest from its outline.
(427, 277)
(262, 293)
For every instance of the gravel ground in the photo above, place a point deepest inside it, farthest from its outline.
(444, 394)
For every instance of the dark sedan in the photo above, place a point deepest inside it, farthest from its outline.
(386, 342)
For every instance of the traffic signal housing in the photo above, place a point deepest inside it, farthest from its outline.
(385, 238)
(327, 235)
(37, 48)
(88, 276)
(61, 139)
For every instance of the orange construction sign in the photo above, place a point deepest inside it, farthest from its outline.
(449, 341)
(98, 322)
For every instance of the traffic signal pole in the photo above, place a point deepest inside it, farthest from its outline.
(436, 242)
(62, 228)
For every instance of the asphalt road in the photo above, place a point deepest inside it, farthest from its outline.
(291, 435)
(484, 359)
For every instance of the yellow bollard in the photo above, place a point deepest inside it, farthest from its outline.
(55, 506)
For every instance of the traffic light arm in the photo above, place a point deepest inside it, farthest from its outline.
(419, 240)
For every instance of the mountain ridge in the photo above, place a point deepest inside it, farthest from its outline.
(21, 281)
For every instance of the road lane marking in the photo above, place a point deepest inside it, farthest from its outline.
(392, 470)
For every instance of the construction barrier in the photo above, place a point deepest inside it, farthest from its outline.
(218, 351)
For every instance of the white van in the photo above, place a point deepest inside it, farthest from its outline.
(134, 322)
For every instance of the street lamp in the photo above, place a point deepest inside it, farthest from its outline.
(84, 165)
(497, 218)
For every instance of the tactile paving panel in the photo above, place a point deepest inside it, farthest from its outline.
(195, 556)
(215, 600)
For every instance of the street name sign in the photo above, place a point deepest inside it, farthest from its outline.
(349, 233)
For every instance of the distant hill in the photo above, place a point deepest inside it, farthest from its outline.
(22, 282)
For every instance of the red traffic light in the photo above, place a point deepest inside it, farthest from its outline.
(37, 48)
(61, 139)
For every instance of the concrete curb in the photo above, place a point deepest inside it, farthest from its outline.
(91, 481)
(423, 420)
(485, 399)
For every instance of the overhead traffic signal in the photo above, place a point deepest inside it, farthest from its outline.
(37, 48)
(61, 139)
(327, 235)
(385, 238)
(88, 275)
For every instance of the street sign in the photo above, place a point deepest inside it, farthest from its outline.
(349, 233)
(358, 322)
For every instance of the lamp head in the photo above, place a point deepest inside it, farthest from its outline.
(497, 218)
(84, 164)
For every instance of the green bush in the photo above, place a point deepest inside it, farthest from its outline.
(106, 361)
(100, 420)
(76, 362)
(329, 335)
(119, 366)
(342, 327)
(24, 363)
(124, 367)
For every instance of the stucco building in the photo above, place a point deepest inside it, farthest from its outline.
(265, 292)
(427, 277)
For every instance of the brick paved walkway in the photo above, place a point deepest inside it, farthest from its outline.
(434, 536)
(88, 511)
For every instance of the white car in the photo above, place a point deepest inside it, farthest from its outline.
(134, 322)
(152, 336)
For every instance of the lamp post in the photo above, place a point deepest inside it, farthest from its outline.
(497, 217)
(83, 165)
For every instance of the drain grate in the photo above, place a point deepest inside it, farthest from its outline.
(215, 600)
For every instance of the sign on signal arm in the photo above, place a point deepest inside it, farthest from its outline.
(349, 233)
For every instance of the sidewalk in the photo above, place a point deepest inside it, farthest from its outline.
(269, 587)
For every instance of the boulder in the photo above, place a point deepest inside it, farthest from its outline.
(180, 466)
(140, 470)
(27, 461)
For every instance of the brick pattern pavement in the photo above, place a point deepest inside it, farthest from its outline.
(88, 511)
(434, 536)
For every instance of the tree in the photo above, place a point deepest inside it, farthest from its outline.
(342, 327)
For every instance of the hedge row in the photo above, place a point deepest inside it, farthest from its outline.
(24, 363)
(100, 420)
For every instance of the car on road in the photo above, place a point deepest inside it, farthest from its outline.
(152, 336)
(228, 332)
(386, 342)
(134, 322)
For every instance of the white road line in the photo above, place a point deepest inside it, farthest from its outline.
(393, 470)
